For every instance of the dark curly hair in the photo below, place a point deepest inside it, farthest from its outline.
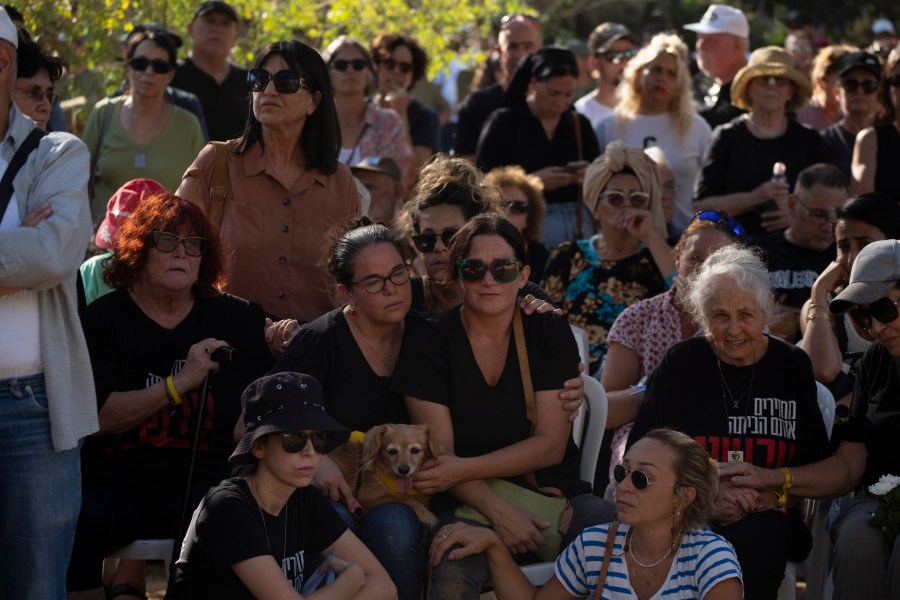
(346, 240)
(31, 58)
(385, 44)
(169, 213)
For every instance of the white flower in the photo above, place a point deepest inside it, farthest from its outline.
(884, 485)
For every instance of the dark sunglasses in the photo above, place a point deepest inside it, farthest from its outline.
(616, 199)
(775, 80)
(883, 310)
(293, 442)
(36, 94)
(159, 66)
(503, 270)
(868, 86)
(390, 64)
(516, 207)
(638, 478)
(622, 56)
(358, 64)
(167, 242)
(425, 242)
(893, 81)
(716, 216)
(286, 82)
(375, 283)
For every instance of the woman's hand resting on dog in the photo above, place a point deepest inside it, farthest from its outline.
(440, 474)
(329, 480)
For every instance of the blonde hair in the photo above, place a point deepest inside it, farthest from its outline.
(532, 187)
(681, 108)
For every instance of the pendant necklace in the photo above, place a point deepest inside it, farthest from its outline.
(266, 529)
(735, 456)
(655, 566)
(384, 359)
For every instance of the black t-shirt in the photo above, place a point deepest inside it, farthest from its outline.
(887, 178)
(228, 527)
(738, 161)
(437, 365)
(514, 136)
(781, 427)
(225, 105)
(129, 351)
(792, 269)
(474, 111)
(840, 144)
(875, 412)
(354, 394)
(424, 125)
(723, 110)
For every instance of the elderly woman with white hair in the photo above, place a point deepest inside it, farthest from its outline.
(745, 397)
(595, 279)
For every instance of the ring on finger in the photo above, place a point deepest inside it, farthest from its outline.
(206, 349)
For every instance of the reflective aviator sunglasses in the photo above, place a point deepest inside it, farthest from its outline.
(638, 478)
(503, 270)
(883, 311)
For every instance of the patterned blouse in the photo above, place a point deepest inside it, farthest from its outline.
(593, 292)
(383, 135)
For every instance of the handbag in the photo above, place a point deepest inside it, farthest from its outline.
(607, 556)
(551, 505)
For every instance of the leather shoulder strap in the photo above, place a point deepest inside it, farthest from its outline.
(6, 184)
(522, 352)
(218, 191)
(607, 557)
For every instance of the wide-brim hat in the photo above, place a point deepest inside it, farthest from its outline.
(771, 61)
(875, 272)
(284, 402)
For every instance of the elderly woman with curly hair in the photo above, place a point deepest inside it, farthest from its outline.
(656, 108)
(595, 279)
(151, 343)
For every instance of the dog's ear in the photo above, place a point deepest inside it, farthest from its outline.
(432, 448)
(371, 446)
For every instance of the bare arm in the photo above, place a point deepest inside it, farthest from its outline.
(639, 223)
(622, 370)
(266, 581)
(729, 589)
(819, 340)
(740, 203)
(865, 156)
(377, 585)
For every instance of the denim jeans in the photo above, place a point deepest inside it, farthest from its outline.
(560, 224)
(394, 535)
(40, 495)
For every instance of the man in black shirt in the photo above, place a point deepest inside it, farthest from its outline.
(220, 85)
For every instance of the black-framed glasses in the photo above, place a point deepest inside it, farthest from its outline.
(617, 57)
(515, 207)
(340, 64)
(167, 242)
(503, 270)
(37, 94)
(293, 442)
(883, 311)
(893, 80)
(374, 284)
(425, 242)
(390, 64)
(868, 86)
(617, 199)
(817, 213)
(159, 66)
(638, 478)
(718, 216)
(286, 82)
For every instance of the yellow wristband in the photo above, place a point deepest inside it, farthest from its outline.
(174, 398)
(788, 480)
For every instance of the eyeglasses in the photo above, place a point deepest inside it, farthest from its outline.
(293, 442)
(817, 213)
(883, 311)
(717, 216)
(503, 270)
(167, 242)
(375, 283)
(286, 82)
(638, 478)
(340, 64)
(37, 94)
(616, 199)
(893, 81)
(620, 56)
(868, 86)
(390, 64)
(425, 242)
(159, 66)
(516, 207)
(773, 80)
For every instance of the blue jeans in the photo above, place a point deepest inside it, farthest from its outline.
(560, 224)
(40, 495)
(394, 535)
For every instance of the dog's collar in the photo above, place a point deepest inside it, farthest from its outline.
(390, 482)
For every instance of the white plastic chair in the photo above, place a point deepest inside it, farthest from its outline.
(581, 338)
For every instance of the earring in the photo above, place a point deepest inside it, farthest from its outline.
(353, 312)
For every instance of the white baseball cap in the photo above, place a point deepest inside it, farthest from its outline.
(720, 18)
(8, 30)
(882, 25)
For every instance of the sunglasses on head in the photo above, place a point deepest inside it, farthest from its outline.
(883, 311)
(620, 56)
(390, 64)
(617, 199)
(374, 284)
(293, 442)
(516, 207)
(167, 242)
(716, 216)
(638, 478)
(340, 64)
(893, 80)
(37, 94)
(868, 86)
(286, 82)
(159, 66)
(425, 242)
(503, 270)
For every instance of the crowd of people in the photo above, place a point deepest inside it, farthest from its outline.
(237, 270)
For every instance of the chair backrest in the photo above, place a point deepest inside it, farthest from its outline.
(581, 338)
(592, 433)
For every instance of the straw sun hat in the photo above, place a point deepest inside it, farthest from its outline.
(766, 62)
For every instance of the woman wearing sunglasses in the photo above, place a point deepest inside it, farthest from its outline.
(644, 331)
(665, 495)
(595, 279)
(745, 397)
(461, 374)
(866, 561)
(877, 148)
(284, 188)
(152, 343)
(366, 129)
(140, 135)
(254, 536)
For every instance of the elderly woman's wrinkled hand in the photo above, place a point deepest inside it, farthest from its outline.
(470, 539)
(748, 475)
(278, 335)
(440, 474)
(199, 362)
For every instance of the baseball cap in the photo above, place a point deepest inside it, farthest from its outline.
(883, 25)
(120, 207)
(378, 164)
(8, 29)
(875, 271)
(216, 6)
(284, 402)
(720, 18)
(606, 34)
(862, 60)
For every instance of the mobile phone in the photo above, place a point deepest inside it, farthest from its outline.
(576, 165)
(766, 206)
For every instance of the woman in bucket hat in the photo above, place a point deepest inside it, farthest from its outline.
(250, 535)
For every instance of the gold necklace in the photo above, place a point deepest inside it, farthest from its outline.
(385, 359)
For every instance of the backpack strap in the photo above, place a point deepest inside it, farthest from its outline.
(18, 160)
(218, 191)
